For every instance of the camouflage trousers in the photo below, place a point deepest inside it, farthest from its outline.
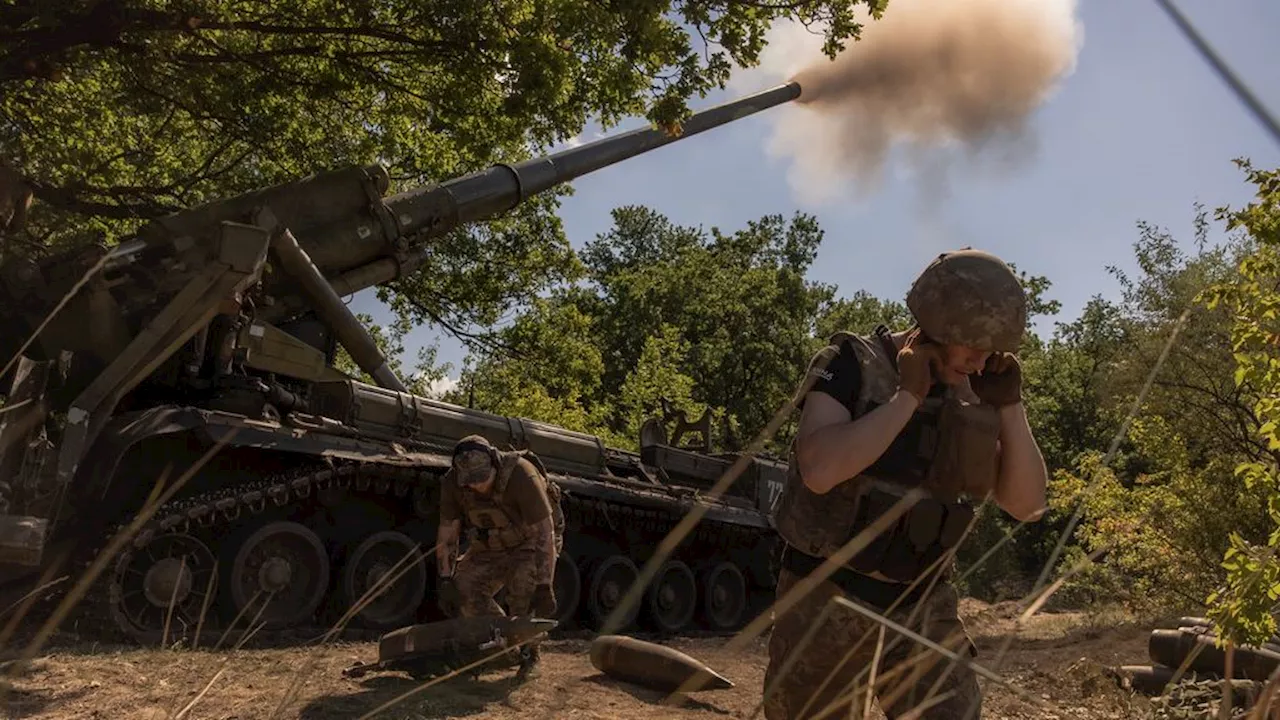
(481, 573)
(836, 664)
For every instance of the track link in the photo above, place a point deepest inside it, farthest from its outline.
(208, 513)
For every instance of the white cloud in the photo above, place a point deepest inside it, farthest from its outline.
(438, 388)
(573, 142)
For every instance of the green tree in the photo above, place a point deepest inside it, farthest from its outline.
(553, 375)
(1244, 604)
(861, 312)
(1163, 506)
(658, 377)
(703, 318)
(741, 303)
(1067, 383)
(119, 111)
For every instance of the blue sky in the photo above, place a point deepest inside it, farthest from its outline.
(1141, 130)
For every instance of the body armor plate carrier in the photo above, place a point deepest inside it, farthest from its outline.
(949, 448)
(491, 526)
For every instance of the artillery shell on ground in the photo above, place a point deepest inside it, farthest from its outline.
(1148, 680)
(1171, 648)
(438, 648)
(653, 666)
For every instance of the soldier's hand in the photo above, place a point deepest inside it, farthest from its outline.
(544, 601)
(915, 365)
(447, 596)
(1000, 383)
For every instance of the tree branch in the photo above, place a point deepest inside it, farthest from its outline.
(67, 199)
(484, 341)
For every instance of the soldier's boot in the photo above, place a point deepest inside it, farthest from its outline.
(530, 656)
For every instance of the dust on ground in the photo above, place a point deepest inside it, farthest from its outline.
(1057, 657)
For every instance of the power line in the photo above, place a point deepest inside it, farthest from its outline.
(1246, 96)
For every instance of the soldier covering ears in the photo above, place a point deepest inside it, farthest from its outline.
(936, 407)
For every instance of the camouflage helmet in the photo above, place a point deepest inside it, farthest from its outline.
(474, 460)
(972, 298)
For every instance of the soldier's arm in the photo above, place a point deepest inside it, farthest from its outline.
(535, 510)
(447, 546)
(450, 528)
(1020, 488)
(546, 547)
(831, 447)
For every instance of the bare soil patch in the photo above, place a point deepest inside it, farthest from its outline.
(1057, 657)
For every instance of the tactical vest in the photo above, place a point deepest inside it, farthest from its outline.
(949, 448)
(490, 525)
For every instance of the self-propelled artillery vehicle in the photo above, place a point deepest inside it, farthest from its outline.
(181, 386)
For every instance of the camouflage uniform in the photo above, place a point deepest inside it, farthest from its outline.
(949, 449)
(501, 551)
(822, 674)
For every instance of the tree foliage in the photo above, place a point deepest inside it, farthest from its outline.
(118, 111)
(1245, 602)
(706, 319)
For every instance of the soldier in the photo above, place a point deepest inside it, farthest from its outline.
(937, 407)
(515, 533)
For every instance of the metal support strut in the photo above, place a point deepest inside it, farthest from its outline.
(353, 336)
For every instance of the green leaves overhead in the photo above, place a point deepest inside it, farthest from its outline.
(118, 111)
(125, 109)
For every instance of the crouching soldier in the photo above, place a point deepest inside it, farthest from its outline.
(515, 531)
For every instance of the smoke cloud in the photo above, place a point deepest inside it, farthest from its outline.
(942, 80)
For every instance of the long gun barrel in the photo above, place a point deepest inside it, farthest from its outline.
(433, 211)
(358, 239)
(299, 246)
(207, 308)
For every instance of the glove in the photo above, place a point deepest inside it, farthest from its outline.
(915, 372)
(544, 601)
(447, 597)
(1000, 383)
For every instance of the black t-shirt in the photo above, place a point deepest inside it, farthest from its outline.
(842, 380)
(842, 377)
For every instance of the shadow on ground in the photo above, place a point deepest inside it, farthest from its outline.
(1073, 637)
(19, 703)
(655, 697)
(456, 697)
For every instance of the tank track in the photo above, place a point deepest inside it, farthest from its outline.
(608, 530)
(208, 514)
(205, 512)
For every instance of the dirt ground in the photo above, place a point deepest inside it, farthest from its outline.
(1057, 658)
